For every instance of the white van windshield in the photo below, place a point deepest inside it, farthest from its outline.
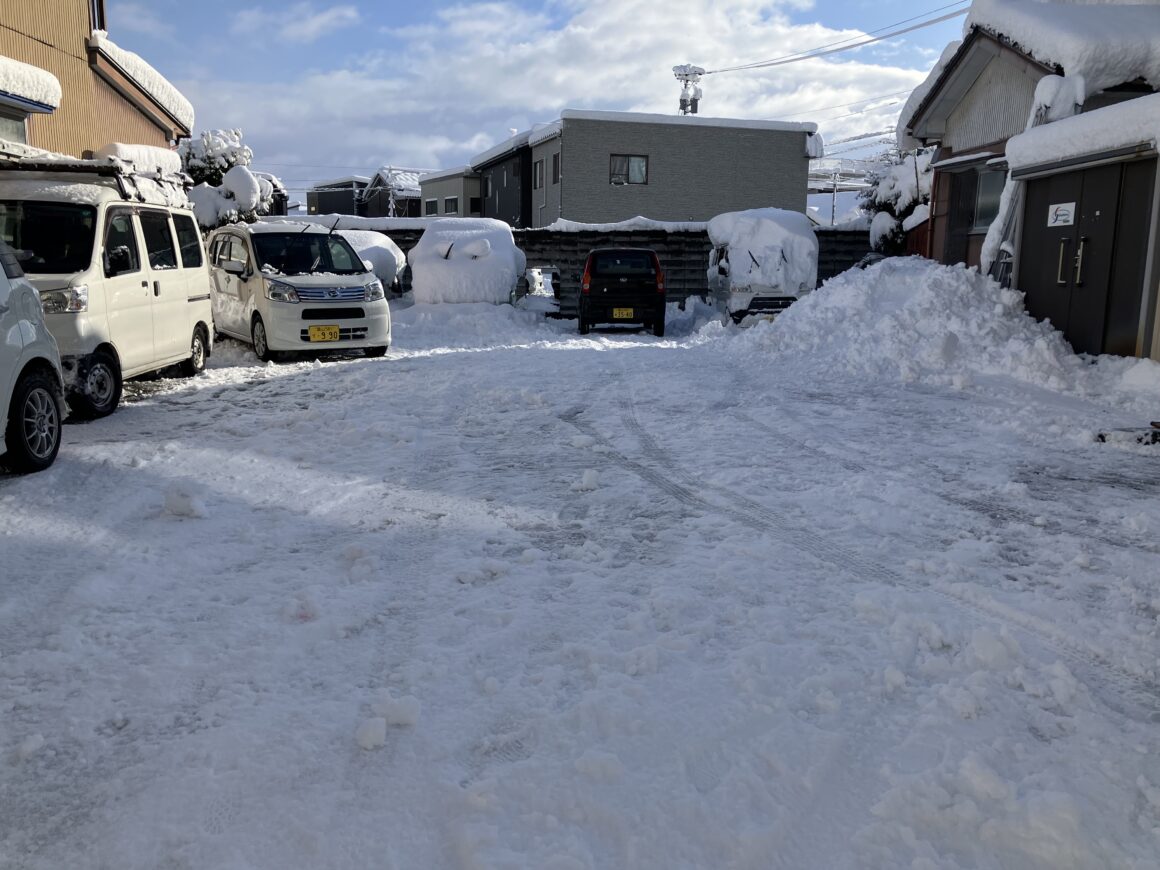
(300, 253)
(49, 238)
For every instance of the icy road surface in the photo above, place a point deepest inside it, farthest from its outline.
(510, 598)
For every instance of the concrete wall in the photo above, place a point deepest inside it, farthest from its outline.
(546, 200)
(694, 172)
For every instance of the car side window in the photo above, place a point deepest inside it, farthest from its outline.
(158, 240)
(238, 251)
(189, 240)
(121, 254)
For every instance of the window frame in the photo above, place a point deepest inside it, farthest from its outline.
(110, 216)
(556, 167)
(999, 175)
(538, 174)
(613, 176)
(430, 207)
(21, 118)
(153, 213)
(451, 205)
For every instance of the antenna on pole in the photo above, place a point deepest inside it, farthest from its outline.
(689, 76)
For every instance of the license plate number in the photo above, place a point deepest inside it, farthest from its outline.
(622, 314)
(323, 333)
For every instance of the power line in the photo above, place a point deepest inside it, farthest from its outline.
(823, 51)
(841, 105)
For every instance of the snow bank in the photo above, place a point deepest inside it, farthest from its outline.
(1119, 126)
(386, 257)
(151, 81)
(353, 222)
(636, 223)
(1105, 43)
(916, 320)
(465, 260)
(768, 247)
(29, 82)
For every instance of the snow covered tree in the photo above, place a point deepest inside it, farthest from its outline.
(226, 190)
(899, 198)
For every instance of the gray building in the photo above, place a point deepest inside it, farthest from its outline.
(603, 167)
(450, 193)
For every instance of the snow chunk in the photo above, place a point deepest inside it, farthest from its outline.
(29, 82)
(465, 260)
(372, 733)
(184, 500)
(588, 481)
(387, 259)
(147, 158)
(151, 81)
(397, 711)
(768, 248)
(30, 745)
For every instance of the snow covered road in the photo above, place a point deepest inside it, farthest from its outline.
(513, 598)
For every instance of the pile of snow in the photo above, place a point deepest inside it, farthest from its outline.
(1104, 43)
(147, 158)
(768, 248)
(1119, 126)
(636, 223)
(28, 82)
(465, 260)
(386, 258)
(912, 319)
(150, 81)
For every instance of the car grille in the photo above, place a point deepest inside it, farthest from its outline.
(346, 333)
(330, 294)
(333, 314)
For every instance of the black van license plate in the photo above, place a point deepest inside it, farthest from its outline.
(622, 314)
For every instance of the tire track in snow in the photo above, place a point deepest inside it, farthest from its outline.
(1126, 693)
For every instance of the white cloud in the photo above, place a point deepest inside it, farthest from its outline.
(433, 95)
(138, 18)
(299, 23)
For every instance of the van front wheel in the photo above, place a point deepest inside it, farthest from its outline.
(261, 344)
(195, 365)
(98, 390)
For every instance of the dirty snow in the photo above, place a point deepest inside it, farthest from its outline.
(854, 589)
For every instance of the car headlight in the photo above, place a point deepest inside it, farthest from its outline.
(67, 299)
(373, 291)
(280, 291)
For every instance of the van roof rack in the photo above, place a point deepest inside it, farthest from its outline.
(123, 174)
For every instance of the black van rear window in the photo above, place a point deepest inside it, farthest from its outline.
(622, 263)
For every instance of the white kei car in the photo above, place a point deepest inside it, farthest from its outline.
(31, 382)
(291, 286)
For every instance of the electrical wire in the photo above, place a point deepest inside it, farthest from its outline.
(823, 51)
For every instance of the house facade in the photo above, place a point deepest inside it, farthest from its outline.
(337, 196)
(451, 193)
(393, 192)
(104, 93)
(605, 167)
(1068, 218)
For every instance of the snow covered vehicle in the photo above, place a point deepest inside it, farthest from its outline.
(118, 260)
(31, 382)
(466, 260)
(292, 286)
(762, 261)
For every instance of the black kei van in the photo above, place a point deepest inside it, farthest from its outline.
(623, 285)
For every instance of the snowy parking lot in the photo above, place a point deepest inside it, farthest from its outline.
(855, 589)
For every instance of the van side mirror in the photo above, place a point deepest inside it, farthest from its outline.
(234, 267)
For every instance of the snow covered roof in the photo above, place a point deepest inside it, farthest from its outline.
(404, 182)
(636, 223)
(1123, 125)
(445, 173)
(33, 88)
(688, 121)
(502, 149)
(544, 132)
(149, 80)
(346, 179)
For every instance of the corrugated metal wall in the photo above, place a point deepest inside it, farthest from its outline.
(51, 34)
(995, 108)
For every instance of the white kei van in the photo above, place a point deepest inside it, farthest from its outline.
(121, 272)
(287, 286)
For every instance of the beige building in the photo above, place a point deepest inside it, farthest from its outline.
(65, 86)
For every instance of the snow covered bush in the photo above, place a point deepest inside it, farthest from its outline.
(226, 190)
(465, 260)
(899, 197)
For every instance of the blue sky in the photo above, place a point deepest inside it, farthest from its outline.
(323, 89)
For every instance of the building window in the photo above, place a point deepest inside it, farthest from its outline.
(475, 204)
(97, 14)
(431, 206)
(12, 127)
(987, 194)
(628, 169)
(537, 175)
(451, 205)
(556, 168)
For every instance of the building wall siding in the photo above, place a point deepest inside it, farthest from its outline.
(464, 187)
(52, 35)
(995, 108)
(546, 201)
(694, 173)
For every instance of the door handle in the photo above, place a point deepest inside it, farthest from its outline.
(1059, 279)
(1079, 262)
(156, 288)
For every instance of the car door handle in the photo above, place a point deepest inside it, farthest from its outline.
(156, 288)
(1079, 262)
(1059, 279)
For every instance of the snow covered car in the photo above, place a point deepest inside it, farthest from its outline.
(289, 286)
(465, 260)
(31, 381)
(762, 260)
(622, 285)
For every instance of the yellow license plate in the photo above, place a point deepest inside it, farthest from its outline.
(622, 314)
(324, 333)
